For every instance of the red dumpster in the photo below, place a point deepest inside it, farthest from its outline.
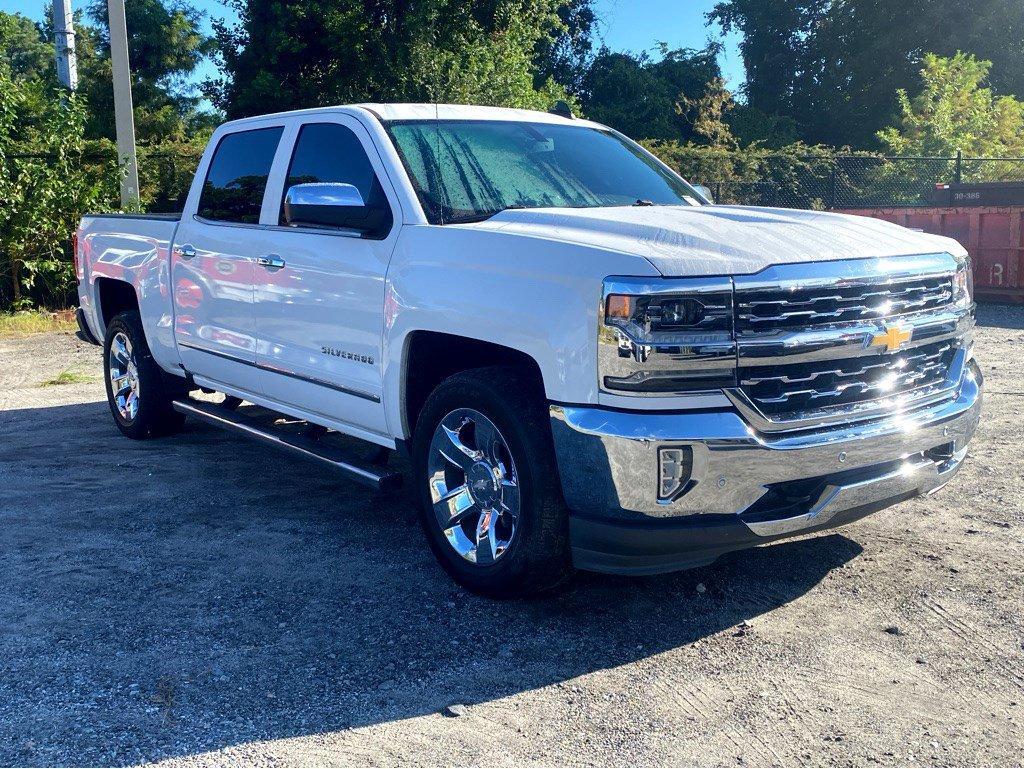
(994, 236)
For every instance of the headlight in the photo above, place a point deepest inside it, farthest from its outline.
(667, 336)
(963, 284)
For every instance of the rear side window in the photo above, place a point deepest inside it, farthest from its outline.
(329, 152)
(234, 186)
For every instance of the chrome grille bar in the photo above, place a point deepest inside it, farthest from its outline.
(896, 373)
(852, 304)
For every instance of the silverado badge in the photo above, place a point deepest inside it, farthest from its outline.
(335, 352)
(893, 338)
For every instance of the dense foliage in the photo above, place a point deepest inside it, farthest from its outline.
(954, 112)
(56, 162)
(44, 185)
(288, 54)
(640, 96)
(834, 66)
(165, 46)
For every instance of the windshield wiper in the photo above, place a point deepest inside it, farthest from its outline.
(482, 217)
(642, 202)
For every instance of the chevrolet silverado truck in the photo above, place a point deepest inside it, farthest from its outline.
(587, 363)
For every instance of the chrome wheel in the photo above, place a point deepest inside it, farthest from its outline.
(124, 377)
(474, 487)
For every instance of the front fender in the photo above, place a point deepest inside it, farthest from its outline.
(534, 295)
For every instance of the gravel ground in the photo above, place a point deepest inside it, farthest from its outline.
(200, 600)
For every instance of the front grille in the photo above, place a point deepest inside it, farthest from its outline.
(804, 387)
(812, 340)
(784, 309)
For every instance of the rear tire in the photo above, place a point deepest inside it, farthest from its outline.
(468, 485)
(138, 392)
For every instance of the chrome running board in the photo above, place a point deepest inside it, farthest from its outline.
(332, 456)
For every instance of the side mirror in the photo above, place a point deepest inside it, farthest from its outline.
(335, 205)
(705, 192)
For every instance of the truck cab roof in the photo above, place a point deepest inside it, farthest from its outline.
(428, 111)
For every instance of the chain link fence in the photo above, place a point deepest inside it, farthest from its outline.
(820, 182)
(841, 181)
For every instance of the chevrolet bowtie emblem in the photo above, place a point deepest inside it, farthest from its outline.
(893, 338)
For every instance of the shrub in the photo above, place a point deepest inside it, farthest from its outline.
(44, 188)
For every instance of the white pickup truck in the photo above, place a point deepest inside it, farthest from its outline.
(587, 362)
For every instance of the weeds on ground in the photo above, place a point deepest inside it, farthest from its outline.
(66, 377)
(13, 324)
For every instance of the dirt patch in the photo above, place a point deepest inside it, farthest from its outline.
(201, 601)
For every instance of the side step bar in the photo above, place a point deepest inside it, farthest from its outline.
(333, 456)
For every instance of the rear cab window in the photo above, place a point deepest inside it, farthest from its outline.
(237, 177)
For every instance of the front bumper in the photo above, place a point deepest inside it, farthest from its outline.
(746, 488)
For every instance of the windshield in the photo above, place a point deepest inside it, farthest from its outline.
(469, 170)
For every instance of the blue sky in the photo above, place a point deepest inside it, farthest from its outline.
(632, 25)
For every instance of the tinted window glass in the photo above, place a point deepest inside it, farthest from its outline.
(234, 186)
(329, 152)
(471, 170)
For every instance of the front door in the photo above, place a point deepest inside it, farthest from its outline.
(319, 293)
(213, 260)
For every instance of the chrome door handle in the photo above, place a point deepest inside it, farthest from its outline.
(186, 252)
(270, 261)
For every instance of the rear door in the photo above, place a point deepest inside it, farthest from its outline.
(213, 260)
(320, 303)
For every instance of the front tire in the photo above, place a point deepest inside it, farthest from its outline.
(137, 393)
(491, 503)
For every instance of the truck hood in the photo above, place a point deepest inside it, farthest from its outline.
(717, 240)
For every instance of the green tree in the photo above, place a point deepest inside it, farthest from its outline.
(44, 185)
(289, 54)
(25, 50)
(165, 45)
(708, 113)
(775, 36)
(475, 66)
(565, 55)
(752, 126)
(954, 111)
(638, 95)
(834, 66)
(620, 90)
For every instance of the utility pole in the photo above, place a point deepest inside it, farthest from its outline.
(124, 120)
(64, 31)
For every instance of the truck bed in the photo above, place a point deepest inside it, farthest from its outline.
(133, 249)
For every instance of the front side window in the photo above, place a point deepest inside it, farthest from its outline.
(237, 178)
(331, 153)
(469, 170)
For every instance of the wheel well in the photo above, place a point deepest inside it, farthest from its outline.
(115, 296)
(431, 357)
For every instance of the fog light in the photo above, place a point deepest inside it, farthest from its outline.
(675, 468)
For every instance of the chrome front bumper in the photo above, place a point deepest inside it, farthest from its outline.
(609, 466)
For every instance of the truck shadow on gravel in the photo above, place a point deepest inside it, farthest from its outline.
(164, 598)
